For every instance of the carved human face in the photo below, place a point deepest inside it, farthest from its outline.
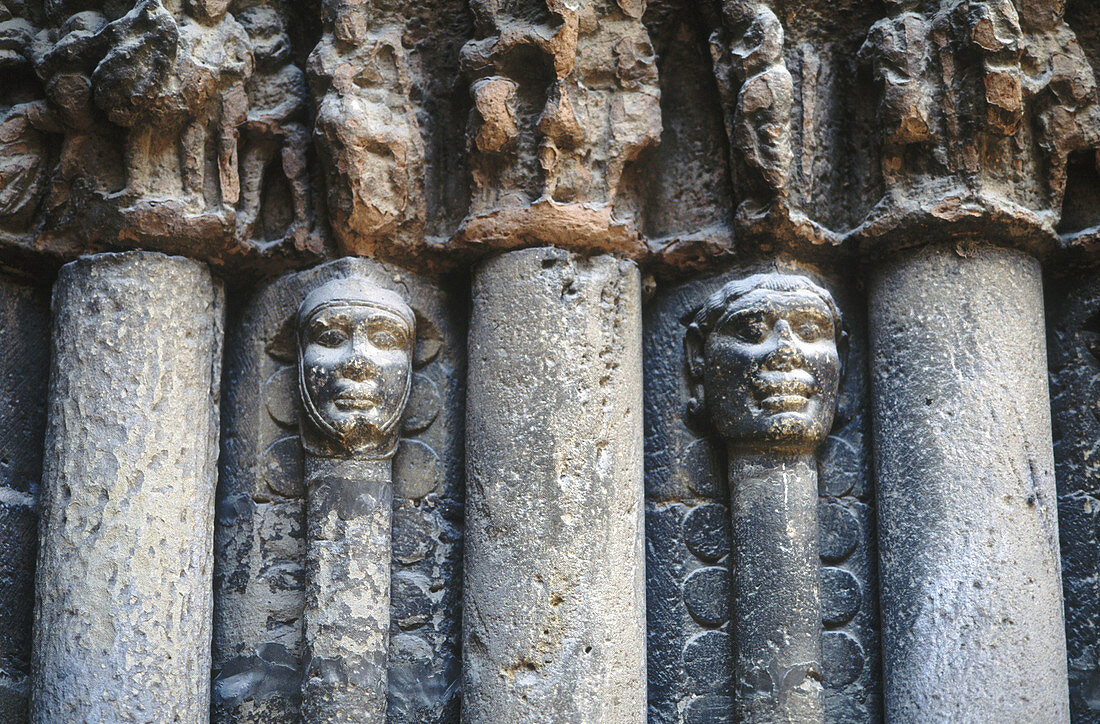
(355, 368)
(771, 370)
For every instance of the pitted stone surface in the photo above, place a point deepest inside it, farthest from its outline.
(554, 610)
(122, 597)
(968, 530)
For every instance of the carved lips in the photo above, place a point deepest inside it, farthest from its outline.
(784, 391)
(355, 364)
(771, 367)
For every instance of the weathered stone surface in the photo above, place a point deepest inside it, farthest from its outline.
(122, 595)
(554, 608)
(763, 361)
(966, 494)
(355, 344)
(259, 579)
(24, 328)
(1073, 326)
(556, 139)
(688, 526)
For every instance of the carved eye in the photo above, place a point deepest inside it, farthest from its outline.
(748, 329)
(331, 338)
(810, 330)
(386, 338)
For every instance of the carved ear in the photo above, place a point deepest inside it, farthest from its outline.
(284, 345)
(693, 368)
(693, 351)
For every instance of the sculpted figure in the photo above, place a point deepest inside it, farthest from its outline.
(764, 353)
(895, 49)
(23, 163)
(355, 353)
(762, 121)
(273, 130)
(765, 349)
(355, 344)
(163, 79)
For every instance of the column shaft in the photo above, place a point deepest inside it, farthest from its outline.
(971, 596)
(776, 595)
(554, 616)
(123, 587)
(347, 608)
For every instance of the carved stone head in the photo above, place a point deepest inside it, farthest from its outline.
(355, 351)
(765, 350)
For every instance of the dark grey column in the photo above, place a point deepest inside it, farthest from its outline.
(123, 587)
(554, 610)
(24, 329)
(776, 590)
(971, 596)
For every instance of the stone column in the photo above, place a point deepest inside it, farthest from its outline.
(971, 591)
(554, 616)
(123, 587)
(24, 329)
(355, 356)
(776, 590)
(347, 612)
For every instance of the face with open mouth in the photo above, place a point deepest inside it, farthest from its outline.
(356, 363)
(772, 369)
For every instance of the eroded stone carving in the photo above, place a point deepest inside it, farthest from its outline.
(355, 345)
(764, 353)
(261, 534)
(366, 129)
(565, 106)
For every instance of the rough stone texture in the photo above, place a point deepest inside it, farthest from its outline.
(554, 609)
(24, 329)
(347, 602)
(185, 126)
(259, 568)
(688, 530)
(555, 139)
(1073, 341)
(965, 474)
(122, 595)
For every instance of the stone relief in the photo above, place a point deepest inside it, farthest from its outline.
(766, 348)
(157, 114)
(366, 128)
(355, 346)
(565, 105)
(688, 523)
(260, 535)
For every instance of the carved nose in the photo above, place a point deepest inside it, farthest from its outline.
(787, 355)
(359, 367)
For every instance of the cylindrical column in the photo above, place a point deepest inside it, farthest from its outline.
(355, 355)
(776, 594)
(971, 596)
(24, 329)
(123, 587)
(554, 616)
(347, 611)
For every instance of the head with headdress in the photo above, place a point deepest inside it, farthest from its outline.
(355, 350)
